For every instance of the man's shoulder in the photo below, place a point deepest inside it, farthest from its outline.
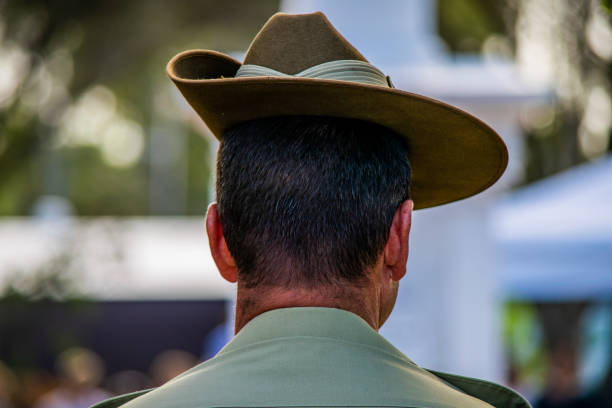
(120, 400)
(490, 393)
(316, 357)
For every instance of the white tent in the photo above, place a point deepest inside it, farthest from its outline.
(136, 258)
(555, 237)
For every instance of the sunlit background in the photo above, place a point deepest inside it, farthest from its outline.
(106, 284)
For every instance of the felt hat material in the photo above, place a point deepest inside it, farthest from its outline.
(453, 154)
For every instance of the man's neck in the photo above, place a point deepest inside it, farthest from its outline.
(250, 303)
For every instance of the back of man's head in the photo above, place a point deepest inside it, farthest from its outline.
(308, 201)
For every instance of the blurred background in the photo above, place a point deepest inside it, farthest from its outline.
(106, 284)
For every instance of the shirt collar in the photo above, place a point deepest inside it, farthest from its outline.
(311, 322)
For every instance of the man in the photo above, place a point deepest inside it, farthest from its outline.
(320, 166)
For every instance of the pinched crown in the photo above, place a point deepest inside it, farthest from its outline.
(292, 43)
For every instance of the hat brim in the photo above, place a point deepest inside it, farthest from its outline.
(453, 154)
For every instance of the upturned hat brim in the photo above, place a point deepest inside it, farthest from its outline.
(453, 154)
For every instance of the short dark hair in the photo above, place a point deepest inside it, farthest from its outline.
(306, 201)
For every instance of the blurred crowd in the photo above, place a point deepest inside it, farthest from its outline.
(80, 380)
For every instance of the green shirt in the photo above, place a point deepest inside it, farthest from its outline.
(315, 357)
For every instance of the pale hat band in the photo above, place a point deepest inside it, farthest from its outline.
(342, 70)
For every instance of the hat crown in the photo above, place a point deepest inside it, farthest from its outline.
(292, 43)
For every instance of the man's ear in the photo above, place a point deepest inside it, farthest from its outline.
(218, 247)
(396, 250)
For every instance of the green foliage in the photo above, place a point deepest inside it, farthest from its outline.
(466, 24)
(124, 47)
(95, 188)
(200, 167)
(523, 343)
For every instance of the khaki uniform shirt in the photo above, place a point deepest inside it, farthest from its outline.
(315, 357)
